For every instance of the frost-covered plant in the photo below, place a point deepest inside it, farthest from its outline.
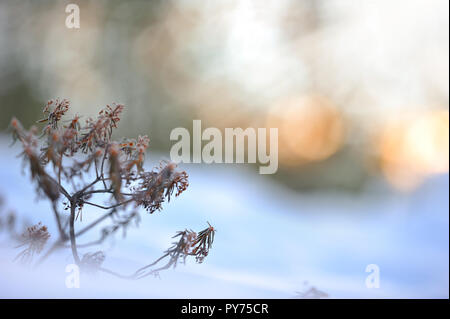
(71, 162)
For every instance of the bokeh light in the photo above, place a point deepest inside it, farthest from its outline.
(413, 147)
(311, 128)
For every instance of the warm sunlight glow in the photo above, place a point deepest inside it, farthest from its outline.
(310, 129)
(415, 147)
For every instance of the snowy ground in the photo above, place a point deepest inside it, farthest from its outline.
(270, 240)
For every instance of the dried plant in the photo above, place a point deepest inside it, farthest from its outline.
(311, 292)
(35, 238)
(189, 244)
(61, 158)
(91, 262)
(8, 220)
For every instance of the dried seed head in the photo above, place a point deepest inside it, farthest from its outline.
(189, 244)
(91, 262)
(157, 185)
(203, 243)
(35, 237)
(60, 107)
(115, 171)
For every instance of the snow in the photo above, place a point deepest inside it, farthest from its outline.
(271, 241)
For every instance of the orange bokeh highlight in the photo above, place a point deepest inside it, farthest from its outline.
(414, 147)
(311, 128)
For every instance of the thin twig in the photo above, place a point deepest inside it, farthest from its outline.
(73, 242)
(62, 234)
(109, 207)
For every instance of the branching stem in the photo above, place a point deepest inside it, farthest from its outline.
(73, 242)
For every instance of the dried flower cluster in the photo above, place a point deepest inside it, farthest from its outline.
(35, 238)
(91, 262)
(160, 184)
(189, 244)
(203, 243)
(65, 153)
(310, 292)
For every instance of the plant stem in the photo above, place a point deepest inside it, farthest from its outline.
(109, 207)
(93, 224)
(73, 243)
(62, 234)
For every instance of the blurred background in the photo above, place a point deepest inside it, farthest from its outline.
(359, 91)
